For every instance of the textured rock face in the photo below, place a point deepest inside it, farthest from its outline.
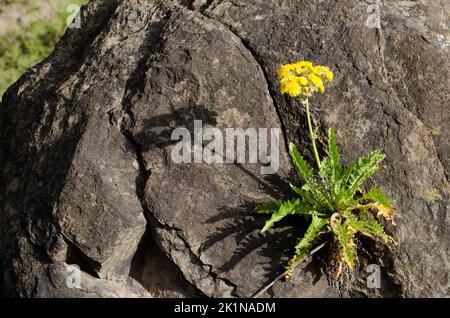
(87, 176)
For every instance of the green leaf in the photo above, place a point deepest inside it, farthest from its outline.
(331, 204)
(269, 207)
(345, 239)
(303, 167)
(355, 175)
(305, 244)
(322, 197)
(304, 195)
(375, 194)
(315, 196)
(369, 228)
(334, 178)
(331, 165)
(326, 169)
(333, 150)
(319, 198)
(287, 208)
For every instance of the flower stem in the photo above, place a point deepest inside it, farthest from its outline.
(311, 133)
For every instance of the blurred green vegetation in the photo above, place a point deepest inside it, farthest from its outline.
(33, 35)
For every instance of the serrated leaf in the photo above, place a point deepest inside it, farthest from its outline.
(303, 167)
(332, 204)
(308, 241)
(326, 170)
(387, 213)
(331, 168)
(314, 196)
(375, 194)
(381, 203)
(321, 196)
(305, 196)
(335, 162)
(370, 228)
(287, 208)
(356, 174)
(333, 150)
(269, 207)
(345, 238)
(326, 167)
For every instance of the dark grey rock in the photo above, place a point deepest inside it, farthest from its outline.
(54, 283)
(86, 147)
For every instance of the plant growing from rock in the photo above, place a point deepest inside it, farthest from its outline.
(332, 198)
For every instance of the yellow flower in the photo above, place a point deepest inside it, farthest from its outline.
(321, 89)
(303, 78)
(303, 81)
(323, 72)
(286, 70)
(316, 80)
(291, 86)
(304, 64)
(303, 67)
(320, 70)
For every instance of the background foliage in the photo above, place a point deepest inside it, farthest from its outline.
(29, 30)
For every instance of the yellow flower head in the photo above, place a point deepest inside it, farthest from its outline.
(304, 64)
(291, 85)
(303, 79)
(320, 70)
(315, 80)
(286, 71)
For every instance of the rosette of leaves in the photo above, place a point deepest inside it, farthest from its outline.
(333, 201)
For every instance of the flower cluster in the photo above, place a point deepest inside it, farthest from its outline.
(303, 79)
(331, 198)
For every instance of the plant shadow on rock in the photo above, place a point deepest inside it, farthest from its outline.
(245, 226)
(242, 222)
(156, 131)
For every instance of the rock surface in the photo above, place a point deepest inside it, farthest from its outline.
(87, 176)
